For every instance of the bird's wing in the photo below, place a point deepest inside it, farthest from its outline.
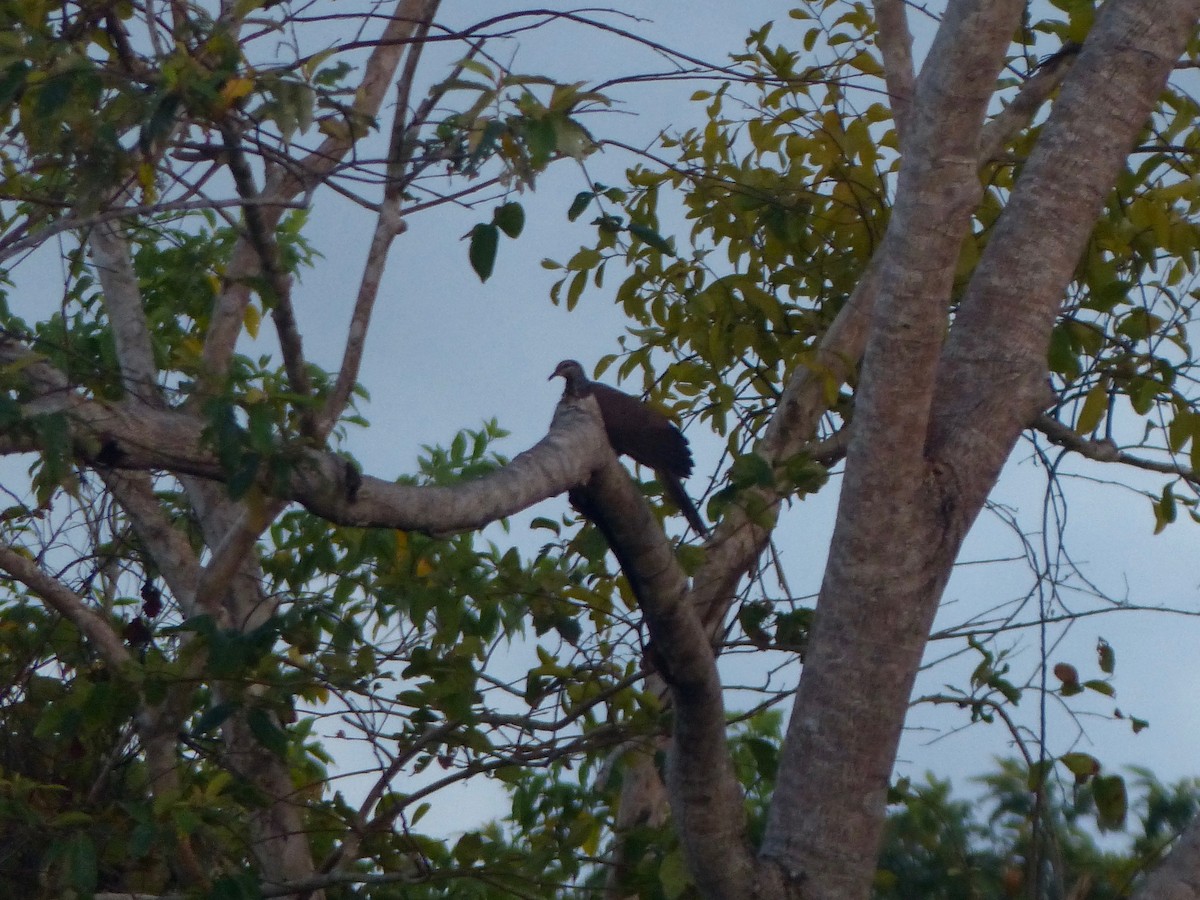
(642, 433)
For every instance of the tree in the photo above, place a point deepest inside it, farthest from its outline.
(936, 846)
(200, 576)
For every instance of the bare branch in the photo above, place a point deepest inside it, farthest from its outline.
(172, 553)
(12, 248)
(1106, 451)
(1175, 876)
(1018, 286)
(706, 799)
(126, 312)
(262, 239)
(409, 17)
(64, 601)
(895, 45)
(388, 225)
(1030, 98)
(130, 435)
(285, 184)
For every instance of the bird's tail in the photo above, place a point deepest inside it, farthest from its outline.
(674, 489)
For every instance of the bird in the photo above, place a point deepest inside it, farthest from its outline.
(639, 431)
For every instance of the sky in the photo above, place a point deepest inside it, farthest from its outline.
(447, 353)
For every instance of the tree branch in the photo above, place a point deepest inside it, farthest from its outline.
(126, 312)
(1019, 283)
(285, 183)
(879, 595)
(1106, 451)
(706, 798)
(128, 435)
(279, 293)
(1175, 876)
(64, 601)
(1020, 112)
(895, 46)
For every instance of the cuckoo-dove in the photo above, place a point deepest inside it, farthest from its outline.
(639, 431)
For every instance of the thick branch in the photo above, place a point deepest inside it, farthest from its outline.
(126, 313)
(706, 799)
(879, 593)
(93, 626)
(739, 542)
(172, 553)
(1018, 114)
(1178, 876)
(131, 436)
(895, 45)
(989, 390)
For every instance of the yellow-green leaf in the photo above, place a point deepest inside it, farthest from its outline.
(1094, 407)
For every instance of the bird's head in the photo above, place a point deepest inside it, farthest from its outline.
(572, 373)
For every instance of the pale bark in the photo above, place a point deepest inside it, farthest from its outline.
(91, 624)
(126, 312)
(1177, 877)
(895, 46)
(706, 798)
(228, 588)
(887, 563)
(286, 183)
(933, 425)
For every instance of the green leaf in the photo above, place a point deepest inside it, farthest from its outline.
(142, 840)
(468, 848)
(650, 237)
(581, 202)
(570, 630)
(575, 289)
(751, 470)
(1082, 765)
(1112, 801)
(80, 855)
(1037, 774)
(12, 81)
(1062, 356)
(243, 886)
(244, 476)
(792, 628)
(673, 875)
(482, 253)
(212, 717)
(1107, 656)
(1100, 687)
(1094, 407)
(266, 732)
(540, 139)
(510, 218)
(1164, 509)
(160, 122)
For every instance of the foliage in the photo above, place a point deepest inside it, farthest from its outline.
(940, 847)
